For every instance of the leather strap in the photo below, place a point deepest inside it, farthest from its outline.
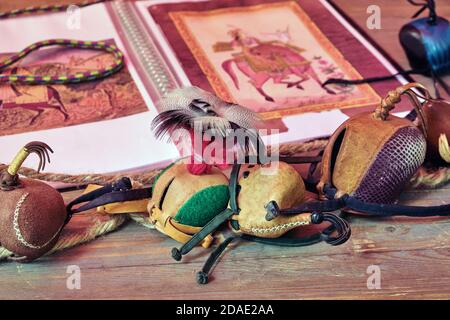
(134, 206)
(299, 160)
(210, 227)
(175, 233)
(351, 203)
(203, 276)
(122, 184)
(314, 206)
(233, 188)
(185, 228)
(112, 197)
(387, 210)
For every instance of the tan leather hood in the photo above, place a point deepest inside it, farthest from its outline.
(174, 190)
(258, 187)
(353, 147)
(176, 185)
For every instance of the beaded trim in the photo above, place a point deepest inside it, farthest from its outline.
(144, 48)
(280, 227)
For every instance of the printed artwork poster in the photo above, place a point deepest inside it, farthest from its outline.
(25, 108)
(276, 67)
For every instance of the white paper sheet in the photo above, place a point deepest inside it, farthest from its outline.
(104, 146)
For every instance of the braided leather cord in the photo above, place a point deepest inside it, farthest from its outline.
(63, 78)
(46, 8)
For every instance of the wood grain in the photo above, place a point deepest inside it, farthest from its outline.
(135, 262)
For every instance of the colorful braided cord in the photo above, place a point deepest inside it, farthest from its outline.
(66, 78)
(46, 8)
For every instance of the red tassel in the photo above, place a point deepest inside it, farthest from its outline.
(203, 168)
(199, 168)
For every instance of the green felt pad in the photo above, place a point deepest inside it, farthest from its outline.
(203, 206)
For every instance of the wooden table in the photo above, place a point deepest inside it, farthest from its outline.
(134, 262)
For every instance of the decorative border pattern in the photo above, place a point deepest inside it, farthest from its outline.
(143, 49)
(280, 227)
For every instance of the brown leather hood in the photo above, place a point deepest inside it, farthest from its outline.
(438, 122)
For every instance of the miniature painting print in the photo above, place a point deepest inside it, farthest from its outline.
(25, 108)
(275, 66)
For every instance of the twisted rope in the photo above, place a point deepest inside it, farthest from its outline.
(142, 220)
(147, 177)
(387, 104)
(422, 179)
(71, 238)
(100, 227)
(101, 179)
(289, 149)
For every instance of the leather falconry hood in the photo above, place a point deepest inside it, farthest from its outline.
(33, 213)
(370, 159)
(372, 156)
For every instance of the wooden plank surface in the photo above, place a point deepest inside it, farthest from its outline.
(135, 262)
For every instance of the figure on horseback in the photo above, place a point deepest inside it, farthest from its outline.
(34, 98)
(264, 60)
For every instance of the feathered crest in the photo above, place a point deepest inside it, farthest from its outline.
(194, 109)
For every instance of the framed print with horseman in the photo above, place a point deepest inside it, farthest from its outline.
(274, 66)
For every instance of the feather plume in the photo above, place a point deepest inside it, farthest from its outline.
(196, 110)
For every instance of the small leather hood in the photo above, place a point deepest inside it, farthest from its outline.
(182, 203)
(176, 186)
(260, 185)
(437, 113)
(372, 156)
(33, 214)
